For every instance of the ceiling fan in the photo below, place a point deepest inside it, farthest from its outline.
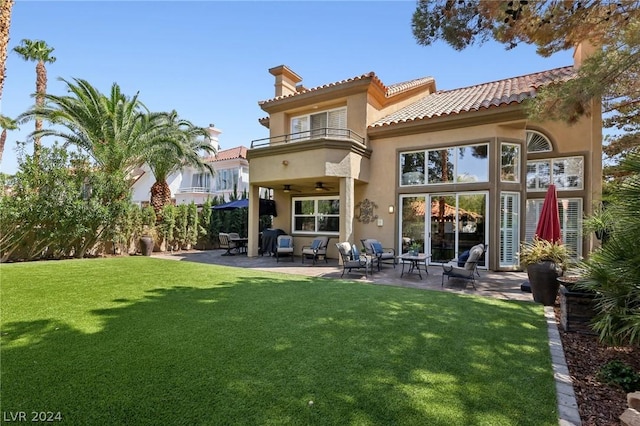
(321, 187)
(287, 188)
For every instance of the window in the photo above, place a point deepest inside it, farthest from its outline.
(510, 163)
(316, 215)
(538, 175)
(537, 142)
(412, 168)
(201, 180)
(331, 123)
(226, 179)
(461, 164)
(570, 210)
(566, 173)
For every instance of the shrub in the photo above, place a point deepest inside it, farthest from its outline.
(620, 374)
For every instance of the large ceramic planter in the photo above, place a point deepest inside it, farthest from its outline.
(543, 278)
(146, 245)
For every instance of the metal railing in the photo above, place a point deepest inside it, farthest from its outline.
(322, 133)
(197, 189)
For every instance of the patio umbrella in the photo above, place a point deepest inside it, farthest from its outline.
(232, 205)
(267, 207)
(549, 223)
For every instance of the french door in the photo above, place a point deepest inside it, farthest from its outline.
(445, 224)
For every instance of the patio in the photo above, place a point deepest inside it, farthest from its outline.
(502, 285)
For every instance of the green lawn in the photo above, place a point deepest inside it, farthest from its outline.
(139, 340)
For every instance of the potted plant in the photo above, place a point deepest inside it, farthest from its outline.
(544, 262)
(415, 248)
(147, 240)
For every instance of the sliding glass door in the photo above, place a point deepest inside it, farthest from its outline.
(444, 225)
(457, 223)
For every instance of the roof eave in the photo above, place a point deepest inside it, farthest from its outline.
(490, 115)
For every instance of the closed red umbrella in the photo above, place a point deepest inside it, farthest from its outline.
(549, 222)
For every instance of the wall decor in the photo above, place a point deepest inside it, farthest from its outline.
(367, 211)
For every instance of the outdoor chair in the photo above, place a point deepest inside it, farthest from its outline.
(470, 268)
(353, 259)
(234, 238)
(226, 243)
(317, 248)
(285, 246)
(378, 253)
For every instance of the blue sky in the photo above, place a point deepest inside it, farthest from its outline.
(209, 60)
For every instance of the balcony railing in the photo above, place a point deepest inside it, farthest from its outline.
(322, 133)
(196, 189)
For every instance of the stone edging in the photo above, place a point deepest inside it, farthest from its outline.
(567, 406)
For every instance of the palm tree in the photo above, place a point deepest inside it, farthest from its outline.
(114, 130)
(180, 144)
(612, 271)
(5, 22)
(37, 50)
(6, 124)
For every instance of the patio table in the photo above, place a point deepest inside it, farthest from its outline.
(414, 261)
(241, 243)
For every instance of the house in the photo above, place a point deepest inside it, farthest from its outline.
(191, 185)
(360, 159)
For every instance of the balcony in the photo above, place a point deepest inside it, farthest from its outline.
(196, 190)
(321, 133)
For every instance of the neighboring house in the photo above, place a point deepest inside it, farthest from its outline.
(407, 163)
(189, 184)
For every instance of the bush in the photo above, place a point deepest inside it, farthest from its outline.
(619, 374)
(60, 206)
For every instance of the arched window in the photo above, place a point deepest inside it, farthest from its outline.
(537, 142)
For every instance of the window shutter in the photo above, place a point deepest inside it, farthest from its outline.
(537, 142)
(534, 207)
(570, 210)
(318, 125)
(337, 123)
(299, 125)
(509, 227)
(571, 224)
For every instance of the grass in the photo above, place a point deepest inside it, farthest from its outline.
(139, 340)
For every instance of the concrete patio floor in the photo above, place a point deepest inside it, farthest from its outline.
(502, 285)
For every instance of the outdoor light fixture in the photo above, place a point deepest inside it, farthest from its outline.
(287, 188)
(391, 208)
(319, 186)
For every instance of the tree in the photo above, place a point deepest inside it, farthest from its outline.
(40, 52)
(178, 145)
(114, 130)
(59, 207)
(613, 271)
(6, 124)
(5, 23)
(554, 25)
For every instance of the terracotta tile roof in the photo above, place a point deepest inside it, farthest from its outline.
(389, 91)
(475, 98)
(229, 154)
(394, 89)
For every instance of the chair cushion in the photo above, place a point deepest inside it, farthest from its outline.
(316, 244)
(462, 259)
(284, 243)
(474, 256)
(377, 248)
(355, 253)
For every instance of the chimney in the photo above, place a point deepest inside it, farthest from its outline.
(213, 137)
(286, 80)
(581, 52)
